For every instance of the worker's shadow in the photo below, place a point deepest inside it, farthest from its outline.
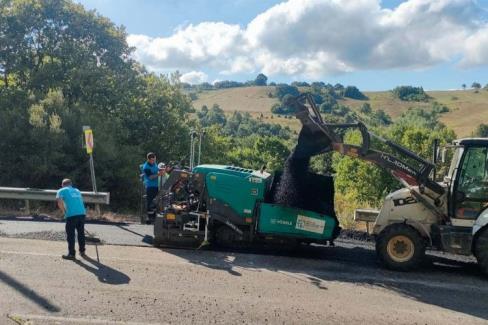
(104, 273)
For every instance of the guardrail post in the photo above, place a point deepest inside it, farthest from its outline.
(27, 207)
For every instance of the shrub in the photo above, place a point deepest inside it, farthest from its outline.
(409, 93)
(353, 92)
(283, 89)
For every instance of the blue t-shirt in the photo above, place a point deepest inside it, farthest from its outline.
(73, 201)
(149, 170)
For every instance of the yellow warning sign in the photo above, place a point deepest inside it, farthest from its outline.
(89, 141)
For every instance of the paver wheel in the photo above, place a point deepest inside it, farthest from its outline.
(400, 247)
(481, 250)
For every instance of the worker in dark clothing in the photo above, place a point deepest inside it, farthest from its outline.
(151, 173)
(70, 202)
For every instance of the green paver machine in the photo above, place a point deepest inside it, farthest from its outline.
(233, 207)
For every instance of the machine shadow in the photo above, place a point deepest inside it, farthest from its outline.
(441, 281)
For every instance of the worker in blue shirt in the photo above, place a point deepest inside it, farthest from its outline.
(70, 202)
(151, 173)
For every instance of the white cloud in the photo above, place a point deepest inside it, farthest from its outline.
(318, 37)
(476, 49)
(194, 77)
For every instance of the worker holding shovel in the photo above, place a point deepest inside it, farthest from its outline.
(70, 202)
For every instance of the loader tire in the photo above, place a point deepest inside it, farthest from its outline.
(481, 250)
(400, 247)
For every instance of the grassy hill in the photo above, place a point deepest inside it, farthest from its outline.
(467, 108)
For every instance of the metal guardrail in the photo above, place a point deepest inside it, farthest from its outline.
(366, 215)
(49, 195)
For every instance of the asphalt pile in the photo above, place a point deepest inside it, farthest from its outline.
(299, 188)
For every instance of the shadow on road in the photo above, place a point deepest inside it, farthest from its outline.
(442, 282)
(28, 293)
(104, 273)
(148, 239)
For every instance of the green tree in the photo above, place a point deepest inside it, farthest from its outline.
(366, 109)
(64, 67)
(354, 93)
(409, 93)
(283, 89)
(261, 80)
(476, 85)
(481, 131)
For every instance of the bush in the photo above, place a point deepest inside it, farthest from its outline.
(481, 131)
(227, 84)
(439, 108)
(328, 104)
(283, 89)
(353, 92)
(366, 108)
(409, 93)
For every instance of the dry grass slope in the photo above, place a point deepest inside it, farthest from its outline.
(467, 108)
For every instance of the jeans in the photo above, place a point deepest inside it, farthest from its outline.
(78, 223)
(151, 193)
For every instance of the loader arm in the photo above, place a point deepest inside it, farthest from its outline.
(320, 137)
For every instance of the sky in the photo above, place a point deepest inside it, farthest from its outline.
(371, 44)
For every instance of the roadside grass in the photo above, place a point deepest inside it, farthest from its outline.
(345, 205)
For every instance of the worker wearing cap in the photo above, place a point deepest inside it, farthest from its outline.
(70, 202)
(151, 173)
(162, 178)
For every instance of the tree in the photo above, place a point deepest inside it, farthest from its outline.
(338, 87)
(382, 117)
(214, 116)
(65, 67)
(463, 86)
(284, 89)
(365, 108)
(476, 85)
(328, 104)
(261, 80)
(353, 92)
(300, 84)
(481, 131)
(409, 93)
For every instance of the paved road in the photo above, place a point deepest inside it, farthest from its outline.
(145, 285)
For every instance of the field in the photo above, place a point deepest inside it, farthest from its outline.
(467, 108)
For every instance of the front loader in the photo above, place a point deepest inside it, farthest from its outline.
(450, 216)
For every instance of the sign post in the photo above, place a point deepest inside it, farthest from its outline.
(89, 144)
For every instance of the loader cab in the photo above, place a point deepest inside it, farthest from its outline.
(468, 180)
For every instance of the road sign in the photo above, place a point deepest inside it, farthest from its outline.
(89, 141)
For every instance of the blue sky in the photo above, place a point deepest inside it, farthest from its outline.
(375, 45)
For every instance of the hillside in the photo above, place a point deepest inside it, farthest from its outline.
(467, 108)
(243, 99)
